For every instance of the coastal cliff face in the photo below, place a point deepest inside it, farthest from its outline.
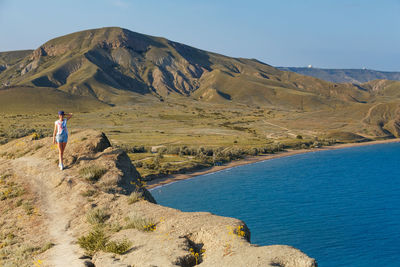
(49, 212)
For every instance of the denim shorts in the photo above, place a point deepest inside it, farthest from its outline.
(62, 138)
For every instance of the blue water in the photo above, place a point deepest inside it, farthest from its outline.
(341, 207)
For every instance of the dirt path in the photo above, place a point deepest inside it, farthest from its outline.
(57, 213)
(289, 132)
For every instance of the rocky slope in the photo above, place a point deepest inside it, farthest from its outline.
(11, 58)
(63, 204)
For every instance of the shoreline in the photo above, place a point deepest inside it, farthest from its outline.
(253, 159)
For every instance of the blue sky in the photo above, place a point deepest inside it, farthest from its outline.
(324, 33)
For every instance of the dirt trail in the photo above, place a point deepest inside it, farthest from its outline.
(289, 132)
(57, 213)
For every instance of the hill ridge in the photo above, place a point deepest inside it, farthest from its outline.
(357, 76)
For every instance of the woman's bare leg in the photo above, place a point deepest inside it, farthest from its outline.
(63, 149)
(60, 153)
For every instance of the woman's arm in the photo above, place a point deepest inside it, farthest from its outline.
(54, 134)
(68, 116)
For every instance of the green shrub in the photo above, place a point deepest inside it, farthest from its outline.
(92, 173)
(28, 207)
(19, 132)
(97, 240)
(118, 247)
(172, 150)
(156, 162)
(94, 241)
(97, 216)
(138, 164)
(132, 149)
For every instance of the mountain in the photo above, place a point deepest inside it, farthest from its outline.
(357, 76)
(113, 64)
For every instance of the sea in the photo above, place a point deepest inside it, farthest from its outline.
(341, 207)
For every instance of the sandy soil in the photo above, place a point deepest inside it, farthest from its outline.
(65, 252)
(248, 160)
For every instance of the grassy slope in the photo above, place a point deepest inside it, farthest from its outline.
(12, 57)
(23, 100)
(345, 75)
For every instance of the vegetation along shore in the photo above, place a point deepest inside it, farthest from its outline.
(252, 159)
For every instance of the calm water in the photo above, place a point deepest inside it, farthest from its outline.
(341, 207)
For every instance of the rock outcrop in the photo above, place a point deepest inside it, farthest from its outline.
(65, 198)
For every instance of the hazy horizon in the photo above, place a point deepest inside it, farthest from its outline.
(330, 34)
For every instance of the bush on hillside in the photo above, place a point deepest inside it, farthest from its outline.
(132, 148)
(97, 216)
(135, 196)
(141, 224)
(92, 173)
(118, 247)
(97, 240)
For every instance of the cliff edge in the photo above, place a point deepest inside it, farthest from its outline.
(97, 213)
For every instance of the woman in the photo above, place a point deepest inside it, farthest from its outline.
(60, 127)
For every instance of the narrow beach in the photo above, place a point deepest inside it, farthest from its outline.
(248, 160)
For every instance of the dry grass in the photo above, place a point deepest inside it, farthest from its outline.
(28, 207)
(89, 193)
(10, 189)
(92, 173)
(97, 216)
(46, 246)
(135, 196)
(142, 224)
(20, 223)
